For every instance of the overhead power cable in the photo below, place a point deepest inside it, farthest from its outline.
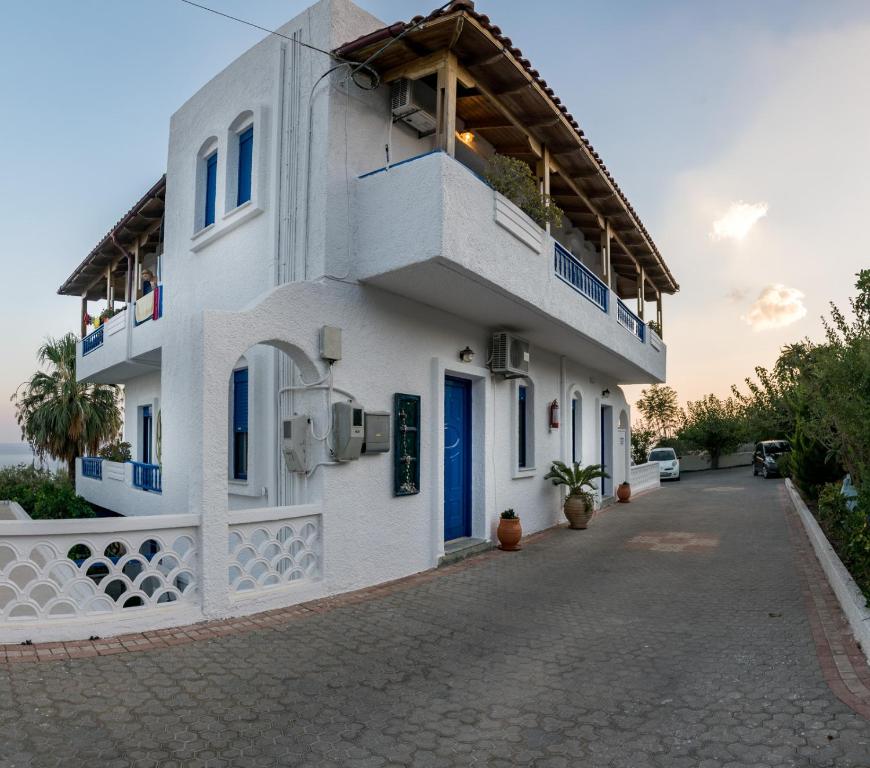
(264, 29)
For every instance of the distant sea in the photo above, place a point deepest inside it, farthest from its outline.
(12, 454)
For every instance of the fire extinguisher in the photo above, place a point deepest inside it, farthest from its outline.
(554, 414)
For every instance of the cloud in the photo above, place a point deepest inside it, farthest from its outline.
(777, 306)
(736, 222)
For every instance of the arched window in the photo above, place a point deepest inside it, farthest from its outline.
(240, 161)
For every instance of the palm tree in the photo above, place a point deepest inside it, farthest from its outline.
(61, 416)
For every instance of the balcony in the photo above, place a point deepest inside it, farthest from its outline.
(431, 230)
(128, 488)
(126, 345)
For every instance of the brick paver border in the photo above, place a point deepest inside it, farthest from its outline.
(842, 661)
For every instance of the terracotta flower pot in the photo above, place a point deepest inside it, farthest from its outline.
(578, 511)
(623, 492)
(509, 534)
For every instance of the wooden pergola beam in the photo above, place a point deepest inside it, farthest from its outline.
(483, 123)
(414, 70)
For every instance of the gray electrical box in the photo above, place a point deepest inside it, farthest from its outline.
(296, 443)
(348, 430)
(330, 343)
(377, 437)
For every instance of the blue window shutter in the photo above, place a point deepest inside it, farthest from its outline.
(240, 400)
(210, 188)
(246, 158)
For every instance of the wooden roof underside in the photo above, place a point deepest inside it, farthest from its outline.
(141, 221)
(513, 109)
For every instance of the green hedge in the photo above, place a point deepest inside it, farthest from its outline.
(848, 531)
(42, 494)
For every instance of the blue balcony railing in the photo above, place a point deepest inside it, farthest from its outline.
(92, 341)
(569, 269)
(629, 320)
(92, 467)
(146, 477)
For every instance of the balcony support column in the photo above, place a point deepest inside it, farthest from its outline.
(84, 314)
(641, 298)
(659, 312)
(445, 138)
(134, 278)
(109, 297)
(606, 267)
(544, 178)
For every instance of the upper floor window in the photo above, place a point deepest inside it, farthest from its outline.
(246, 160)
(240, 424)
(210, 188)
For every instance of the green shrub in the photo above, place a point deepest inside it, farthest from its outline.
(42, 494)
(848, 531)
(678, 444)
(811, 464)
(58, 501)
(642, 439)
(514, 179)
(117, 451)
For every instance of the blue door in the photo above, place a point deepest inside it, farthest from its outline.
(457, 458)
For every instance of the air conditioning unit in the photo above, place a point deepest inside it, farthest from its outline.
(510, 355)
(413, 102)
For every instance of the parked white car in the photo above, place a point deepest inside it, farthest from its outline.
(668, 461)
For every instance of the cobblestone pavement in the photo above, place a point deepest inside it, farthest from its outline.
(673, 632)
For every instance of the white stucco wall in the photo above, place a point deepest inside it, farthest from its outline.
(229, 301)
(392, 345)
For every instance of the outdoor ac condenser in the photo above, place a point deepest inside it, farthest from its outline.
(413, 102)
(510, 355)
(296, 443)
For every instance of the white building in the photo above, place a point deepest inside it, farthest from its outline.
(298, 196)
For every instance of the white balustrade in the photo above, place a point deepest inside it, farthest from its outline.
(272, 548)
(98, 570)
(644, 477)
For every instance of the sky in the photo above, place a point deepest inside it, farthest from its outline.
(739, 131)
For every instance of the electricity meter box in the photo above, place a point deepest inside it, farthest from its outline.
(296, 443)
(348, 430)
(377, 438)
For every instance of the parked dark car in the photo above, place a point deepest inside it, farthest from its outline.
(766, 456)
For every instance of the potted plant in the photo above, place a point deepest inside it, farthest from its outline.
(513, 178)
(623, 491)
(509, 531)
(579, 503)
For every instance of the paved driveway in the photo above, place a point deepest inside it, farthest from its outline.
(671, 633)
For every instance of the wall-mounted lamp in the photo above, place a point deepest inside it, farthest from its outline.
(467, 137)
(605, 393)
(466, 355)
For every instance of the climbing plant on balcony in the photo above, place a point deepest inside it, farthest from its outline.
(60, 416)
(514, 179)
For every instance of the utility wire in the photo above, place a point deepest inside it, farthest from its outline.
(264, 29)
